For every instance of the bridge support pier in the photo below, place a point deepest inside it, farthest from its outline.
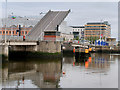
(6, 51)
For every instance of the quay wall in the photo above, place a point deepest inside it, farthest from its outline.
(1, 48)
(41, 49)
(49, 46)
(4, 50)
(43, 46)
(22, 48)
(107, 49)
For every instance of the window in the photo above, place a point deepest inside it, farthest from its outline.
(0, 32)
(6, 32)
(25, 32)
(9, 32)
(22, 32)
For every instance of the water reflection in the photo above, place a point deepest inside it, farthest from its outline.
(95, 61)
(93, 71)
(39, 73)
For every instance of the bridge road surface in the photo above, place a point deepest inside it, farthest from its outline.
(48, 22)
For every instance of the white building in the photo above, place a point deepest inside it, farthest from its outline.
(67, 37)
(66, 31)
(63, 28)
(78, 31)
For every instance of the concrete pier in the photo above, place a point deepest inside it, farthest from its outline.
(43, 46)
(49, 46)
(6, 51)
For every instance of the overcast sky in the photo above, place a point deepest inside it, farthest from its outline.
(81, 12)
(62, 0)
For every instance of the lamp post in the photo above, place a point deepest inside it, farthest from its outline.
(5, 21)
(100, 29)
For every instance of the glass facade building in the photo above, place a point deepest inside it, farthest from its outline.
(98, 29)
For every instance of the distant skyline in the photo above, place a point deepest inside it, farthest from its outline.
(81, 12)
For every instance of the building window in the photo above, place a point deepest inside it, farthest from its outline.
(22, 32)
(3, 32)
(9, 32)
(6, 32)
(25, 32)
(13, 32)
(0, 32)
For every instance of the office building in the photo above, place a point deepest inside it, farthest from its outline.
(98, 29)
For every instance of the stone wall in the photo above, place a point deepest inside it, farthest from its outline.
(1, 49)
(23, 48)
(97, 48)
(4, 50)
(43, 47)
(49, 46)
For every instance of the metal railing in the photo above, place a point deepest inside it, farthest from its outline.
(11, 38)
(52, 39)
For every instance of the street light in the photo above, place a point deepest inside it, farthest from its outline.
(5, 21)
(100, 29)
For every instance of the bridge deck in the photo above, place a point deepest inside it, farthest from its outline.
(20, 43)
(48, 22)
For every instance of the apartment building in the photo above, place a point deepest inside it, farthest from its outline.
(12, 25)
(14, 30)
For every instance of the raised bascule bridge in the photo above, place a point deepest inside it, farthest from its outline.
(49, 22)
(44, 37)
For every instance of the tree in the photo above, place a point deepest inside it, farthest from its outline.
(77, 38)
(92, 39)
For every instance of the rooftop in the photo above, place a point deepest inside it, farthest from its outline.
(27, 21)
(105, 22)
(77, 26)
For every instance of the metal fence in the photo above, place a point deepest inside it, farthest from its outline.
(52, 39)
(11, 38)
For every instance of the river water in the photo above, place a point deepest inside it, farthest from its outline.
(95, 71)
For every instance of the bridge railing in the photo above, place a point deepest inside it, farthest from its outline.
(27, 38)
(11, 38)
(52, 39)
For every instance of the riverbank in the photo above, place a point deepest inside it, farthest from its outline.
(27, 54)
(107, 51)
